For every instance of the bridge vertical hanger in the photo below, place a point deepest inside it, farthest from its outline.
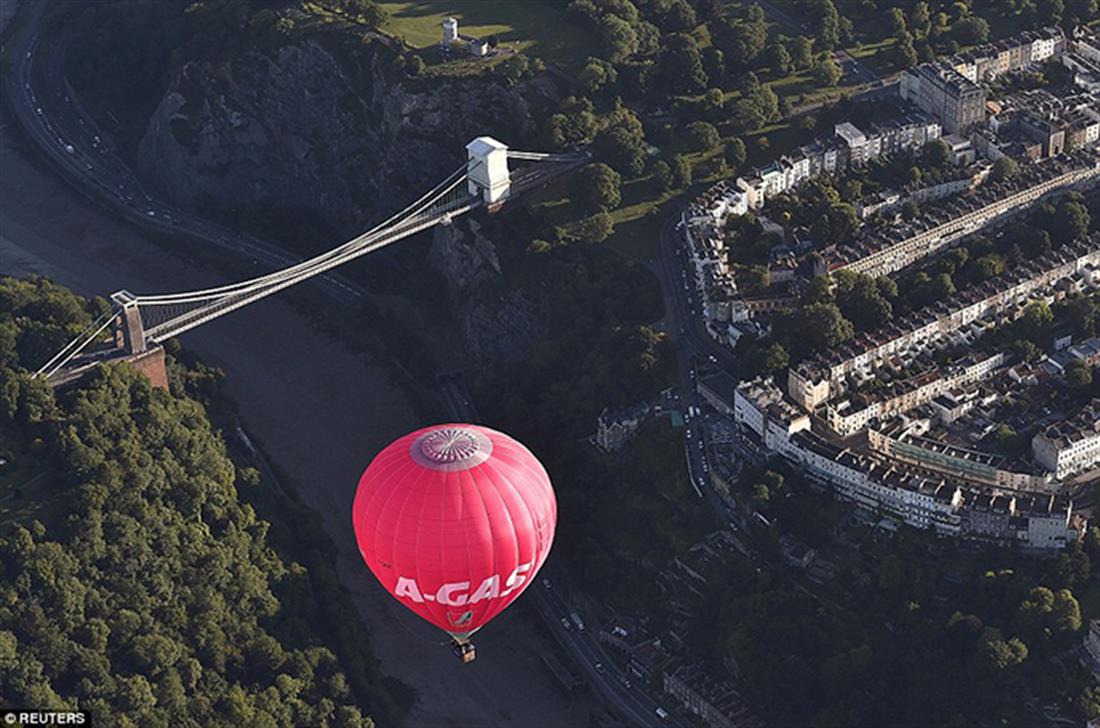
(129, 331)
(487, 169)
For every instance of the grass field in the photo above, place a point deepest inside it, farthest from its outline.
(537, 27)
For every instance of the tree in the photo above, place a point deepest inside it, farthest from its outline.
(827, 72)
(1071, 222)
(775, 359)
(662, 174)
(1003, 169)
(681, 65)
(681, 172)
(617, 38)
(971, 30)
(801, 50)
(1088, 702)
(1036, 321)
(595, 228)
(702, 137)
(575, 123)
(821, 326)
(936, 154)
(920, 22)
(514, 67)
(1052, 10)
(999, 654)
(907, 54)
(898, 24)
(623, 147)
(741, 41)
(779, 58)
(599, 188)
(678, 17)
(597, 75)
(714, 101)
(1079, 375)
(735, 153)
(1025, 350)
(829, 25)
(943, 287)
(415, 66)
(1066, 613)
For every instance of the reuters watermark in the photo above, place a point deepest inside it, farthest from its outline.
(20, 717)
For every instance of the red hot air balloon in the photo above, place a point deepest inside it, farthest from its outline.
(455, 520)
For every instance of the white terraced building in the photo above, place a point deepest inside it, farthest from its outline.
(1071, 447)
(900, 492)
(884, 258)
(815, 381)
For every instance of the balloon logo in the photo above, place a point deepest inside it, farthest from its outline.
(455, 520)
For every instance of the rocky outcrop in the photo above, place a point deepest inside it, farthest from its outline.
(345, 138)
(499, 325)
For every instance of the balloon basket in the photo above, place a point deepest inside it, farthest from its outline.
(464, 651)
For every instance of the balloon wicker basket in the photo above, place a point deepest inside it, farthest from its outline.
(464, 651)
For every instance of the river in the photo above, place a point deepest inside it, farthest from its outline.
(321, 412)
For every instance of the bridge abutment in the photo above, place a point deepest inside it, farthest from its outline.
(151, 363)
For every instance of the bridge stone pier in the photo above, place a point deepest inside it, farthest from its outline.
(130, 340)
(138, 322)
(487, 169)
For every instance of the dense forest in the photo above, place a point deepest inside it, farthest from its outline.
(136, 579)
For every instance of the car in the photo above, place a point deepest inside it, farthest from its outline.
(625, 681)
(151, 213)
(69, 148)
(545, 583)
(38, 110)
(599, 667)
(661, 713)
(565, 623)
(88, 166)
(28, 56)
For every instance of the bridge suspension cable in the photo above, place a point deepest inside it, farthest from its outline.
(85, 338)
(145, 319)
(311, 267)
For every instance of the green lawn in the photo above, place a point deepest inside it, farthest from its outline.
(538, 27)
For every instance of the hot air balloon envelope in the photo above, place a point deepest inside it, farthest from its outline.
(455, 521)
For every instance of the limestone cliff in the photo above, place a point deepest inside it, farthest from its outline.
(345, 136)
(500, 325)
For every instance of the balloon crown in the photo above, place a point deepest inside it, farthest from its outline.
(451, 447)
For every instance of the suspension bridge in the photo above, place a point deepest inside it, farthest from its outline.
(139, 324)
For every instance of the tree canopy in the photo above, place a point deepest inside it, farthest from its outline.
(152, 594)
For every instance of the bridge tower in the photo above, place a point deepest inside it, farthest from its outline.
(129, 331)
(130, 338)
(487, 165)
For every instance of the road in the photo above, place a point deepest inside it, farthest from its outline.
(49, 110)
(300, 392)
(618, 690)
